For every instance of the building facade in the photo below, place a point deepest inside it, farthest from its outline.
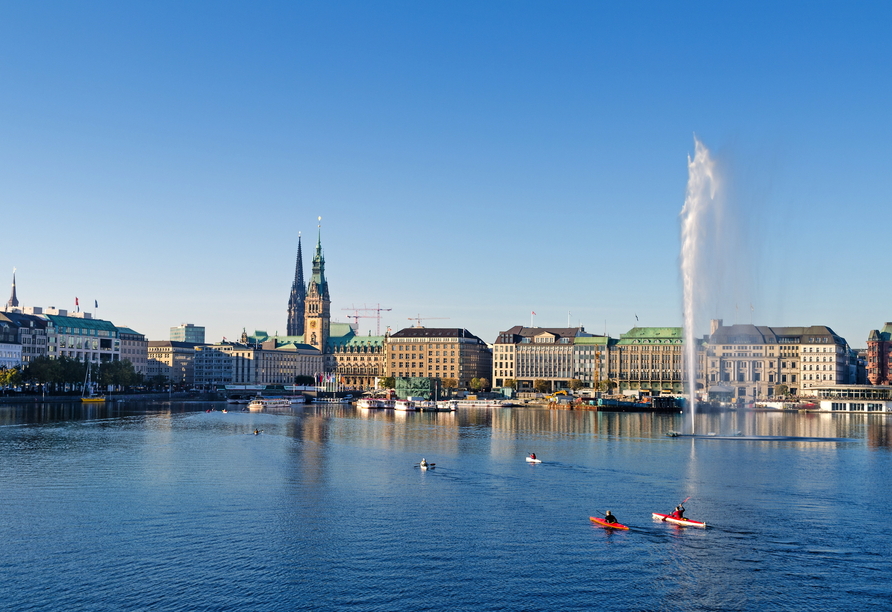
(10, 347)
(443, 353)
(755, 361)
(879, 356)
(556, 355)
(649, 360)
(187, 332)
(135, 349)
(171, 361)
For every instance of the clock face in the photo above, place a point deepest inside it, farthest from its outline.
(313, 323)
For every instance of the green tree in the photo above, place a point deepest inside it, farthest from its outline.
(387, 382)
(449, 383)
(540, 385)
(484, 384)
(782, 390)
(575, 384)
(509, 382)
(474, 384)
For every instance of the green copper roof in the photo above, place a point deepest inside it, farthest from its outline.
(653, 335)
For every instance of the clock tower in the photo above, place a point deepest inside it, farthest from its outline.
(317, 313)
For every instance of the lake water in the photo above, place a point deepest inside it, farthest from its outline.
(167, 507)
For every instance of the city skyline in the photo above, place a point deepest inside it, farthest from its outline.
(470, 162)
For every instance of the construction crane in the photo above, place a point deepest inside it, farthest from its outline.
(419, 319)
(377, 310)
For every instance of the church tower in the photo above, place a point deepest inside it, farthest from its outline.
(317, 319)
(13, 300)
(298, 297)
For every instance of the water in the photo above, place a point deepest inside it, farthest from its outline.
(167, 507)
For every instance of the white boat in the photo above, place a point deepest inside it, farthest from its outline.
(374, 403)
(297, 399)
(447, 405)
(531, 460)
(482, 403)
(260, 403)
(405, 406)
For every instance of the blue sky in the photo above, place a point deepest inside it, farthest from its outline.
(470, 160)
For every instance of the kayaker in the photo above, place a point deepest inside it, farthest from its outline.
(678, 513)
(423, 463)
(609, 518)
(532, 455)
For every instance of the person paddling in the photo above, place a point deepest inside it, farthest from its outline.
(609, 518)
(532, 455)
(678, 513)
(423, 463)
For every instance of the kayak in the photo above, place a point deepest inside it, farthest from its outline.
(531, 460)
(683, 521)
(602, 523)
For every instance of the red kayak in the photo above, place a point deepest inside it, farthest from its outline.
(602, 523)
(675, 521)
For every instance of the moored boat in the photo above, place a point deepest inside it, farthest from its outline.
(602, 523)
(374, 403)
(668, 518)
(260, 403)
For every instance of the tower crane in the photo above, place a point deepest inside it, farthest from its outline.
(377, 310)
(419, 319)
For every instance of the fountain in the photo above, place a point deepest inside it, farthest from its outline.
(697, 216)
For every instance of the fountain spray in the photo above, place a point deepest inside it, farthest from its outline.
(695, 215)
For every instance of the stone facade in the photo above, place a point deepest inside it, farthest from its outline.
(879, 356)
(442, 353)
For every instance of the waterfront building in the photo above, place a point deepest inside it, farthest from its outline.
(135, 349)
(649, 360)
(854, 398)
(553, 354)
(187, 332)
(32, 333)
(754, 360)
(265, 363)
(879, 356)
(79, 336)
(443, 353)
(10, 347)
(171, 360)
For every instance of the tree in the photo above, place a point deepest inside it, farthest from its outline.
(484, 384)
(575, 384)
(474, 384)
(387, 382)
(449, 383)
(782, 390)
(541, 386)
(509, 382)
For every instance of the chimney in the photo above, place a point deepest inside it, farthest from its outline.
(714, 326)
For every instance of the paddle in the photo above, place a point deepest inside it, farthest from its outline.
(681, 504)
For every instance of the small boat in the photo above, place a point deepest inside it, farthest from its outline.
(602, 523)
(532, 460)
(374, 403)
(260, 403)
(682, 521)
(424, 465)
(88, 396)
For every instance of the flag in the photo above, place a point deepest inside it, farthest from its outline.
(95, 303)
(636, 317)
(76, 303)
(533, 312)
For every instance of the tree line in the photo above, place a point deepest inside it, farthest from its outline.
(65, 373)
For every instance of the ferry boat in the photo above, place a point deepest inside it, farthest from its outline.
(405, 406)
(260, 403)
(374, 403)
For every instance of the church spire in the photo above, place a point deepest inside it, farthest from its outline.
(297, 300)
(13, 300)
